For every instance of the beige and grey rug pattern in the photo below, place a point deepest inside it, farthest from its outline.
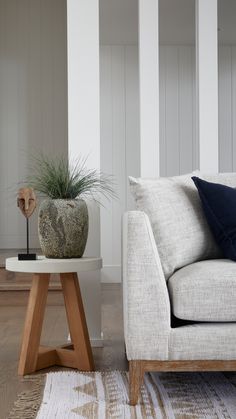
(104, 395)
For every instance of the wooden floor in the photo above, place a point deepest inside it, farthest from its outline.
(12, 314)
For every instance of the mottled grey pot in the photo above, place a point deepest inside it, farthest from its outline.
(63, 228)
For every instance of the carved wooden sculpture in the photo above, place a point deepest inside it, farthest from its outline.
(26, 201)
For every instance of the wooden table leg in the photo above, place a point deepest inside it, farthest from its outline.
(77, 322)
(33, 324)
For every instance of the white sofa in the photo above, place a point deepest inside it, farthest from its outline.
(179, 293)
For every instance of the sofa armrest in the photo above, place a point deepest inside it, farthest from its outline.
(145, 295)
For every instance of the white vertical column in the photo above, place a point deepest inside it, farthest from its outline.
(207, 83)
(84, 128)
(149, 87)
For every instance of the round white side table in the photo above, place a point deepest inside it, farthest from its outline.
(76, 355)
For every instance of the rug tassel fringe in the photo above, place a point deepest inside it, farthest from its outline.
(29, 401)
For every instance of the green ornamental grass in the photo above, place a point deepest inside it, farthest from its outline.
(57, 178)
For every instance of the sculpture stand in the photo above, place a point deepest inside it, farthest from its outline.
(28, 255)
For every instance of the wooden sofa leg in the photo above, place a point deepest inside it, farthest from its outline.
(136, 374)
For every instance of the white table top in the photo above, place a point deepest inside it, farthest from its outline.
(45, 265)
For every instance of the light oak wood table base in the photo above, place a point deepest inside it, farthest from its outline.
(78, 355)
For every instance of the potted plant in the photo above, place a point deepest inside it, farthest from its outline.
(63, 215)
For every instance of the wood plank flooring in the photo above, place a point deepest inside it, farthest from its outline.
(12, 315)
(10, 281)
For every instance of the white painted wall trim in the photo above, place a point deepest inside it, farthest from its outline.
(84, 130)
(207, 83)
(83, 80)
(149, 87)
(111, 274)
(95, 343)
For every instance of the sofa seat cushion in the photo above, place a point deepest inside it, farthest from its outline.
(204, 291)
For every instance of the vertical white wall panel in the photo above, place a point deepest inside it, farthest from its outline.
(106, 114)
(178, 147)
(132, 150)
(46, 67)
(60, 129)
(84, 129)
(172, 111)
(83, 80)
(225, 109)
(120, 145)
(149, 87)
(83, 96)
(195, 137)
(10, 100)
(162, 113)
(186, 116)
(233, 109)
(207, 83)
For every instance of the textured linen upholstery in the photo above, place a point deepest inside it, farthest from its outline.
(204, 291)
(145, 294)
(174, 208)
(179, 226)
(173, 215)
(203, 341)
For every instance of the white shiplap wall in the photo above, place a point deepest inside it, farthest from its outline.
(178, 145)
(179, 149)
(119, 143)
(227, 108)
(33, 112)
(33, 99)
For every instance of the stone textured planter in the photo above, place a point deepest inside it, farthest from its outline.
(63, 228)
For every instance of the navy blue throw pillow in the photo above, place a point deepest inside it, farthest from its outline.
(219, 206)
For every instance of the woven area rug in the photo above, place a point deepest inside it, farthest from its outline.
(104, 395)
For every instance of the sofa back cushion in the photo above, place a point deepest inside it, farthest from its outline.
(174, 208)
